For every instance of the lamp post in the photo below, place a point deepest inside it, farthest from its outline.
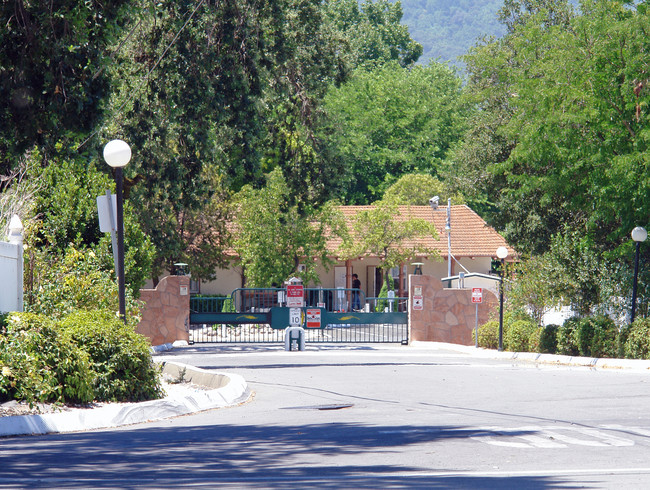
(117, 154)
(502, 253)
(448, 230)
(433, 202)
(639, 234)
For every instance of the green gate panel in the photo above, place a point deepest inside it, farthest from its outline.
(362, 318)
(280, 318)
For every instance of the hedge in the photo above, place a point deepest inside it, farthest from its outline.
(83, 357)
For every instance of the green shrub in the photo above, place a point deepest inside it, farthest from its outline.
(623, 334)
(548, 339)
(41, 363)
(517, 336)
(119, 356)
(382, 304)
(637, 345)
(488, 335)
(566, 337)
(596, 336)
(73, 281)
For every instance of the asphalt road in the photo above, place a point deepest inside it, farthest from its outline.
(368, 417)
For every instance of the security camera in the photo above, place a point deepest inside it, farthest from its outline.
(433, 202)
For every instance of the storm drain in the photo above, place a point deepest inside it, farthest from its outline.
(336, 406)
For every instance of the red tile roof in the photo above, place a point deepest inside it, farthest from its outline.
(471, 236)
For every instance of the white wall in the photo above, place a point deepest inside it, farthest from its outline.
(11, 277)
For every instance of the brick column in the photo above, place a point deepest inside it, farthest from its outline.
(166, 314)
(447, 315)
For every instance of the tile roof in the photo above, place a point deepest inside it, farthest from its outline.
(471, 236)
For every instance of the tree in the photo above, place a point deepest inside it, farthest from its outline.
(213, 95)
(389, 233)
(417, 189)
(372, 32)
(52, 78)
(65, 215)
(573, 89)
(392, 121)
(271, 237)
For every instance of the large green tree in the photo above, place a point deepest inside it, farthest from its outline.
(52, 77)
(211, 96)
(272, 237)
(566, 99)
(574, 89)
(389, 233)
(393, 121)
(372, 32)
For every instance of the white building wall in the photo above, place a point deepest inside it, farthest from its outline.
(230, 279)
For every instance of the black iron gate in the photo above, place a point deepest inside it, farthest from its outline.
(261, 316)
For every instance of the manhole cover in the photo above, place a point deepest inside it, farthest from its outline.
(335, 406)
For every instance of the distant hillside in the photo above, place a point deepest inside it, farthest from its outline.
(448, 28)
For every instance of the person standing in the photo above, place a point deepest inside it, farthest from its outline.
(356, 286)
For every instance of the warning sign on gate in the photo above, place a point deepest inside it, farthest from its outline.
(313, 318)
(295, 294)
(477, 295)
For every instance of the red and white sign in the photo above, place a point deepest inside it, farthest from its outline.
(313, 318)
(418, 303)
(477, 295)
(295, 295)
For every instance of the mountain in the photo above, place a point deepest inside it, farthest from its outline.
(448, 28)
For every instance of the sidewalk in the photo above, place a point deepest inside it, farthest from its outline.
(595, 362)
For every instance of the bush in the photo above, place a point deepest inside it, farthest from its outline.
(566, 337)
(86, 356)
(73, 281)
(637, 345)
(41, 363)
(119, 356)
(488, 335)
(623, 335)
(548, 339)
(517, 336)
(597, 337)
(382, 304)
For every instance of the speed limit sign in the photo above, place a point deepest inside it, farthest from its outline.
(295, 316)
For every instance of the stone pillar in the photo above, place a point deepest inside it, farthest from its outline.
(447, 315)
(166, 314)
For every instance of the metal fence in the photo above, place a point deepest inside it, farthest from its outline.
(246, 316)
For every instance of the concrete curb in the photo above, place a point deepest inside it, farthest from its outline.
(226, 390)
(632, 364)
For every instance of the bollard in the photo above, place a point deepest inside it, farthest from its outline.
(294, 338)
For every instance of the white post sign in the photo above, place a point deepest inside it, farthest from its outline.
(107, 211)
(295, 317)
(477, 297)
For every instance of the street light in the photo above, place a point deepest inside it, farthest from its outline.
(433, 202)
(117, 154)
(639, 234)
(502, 253)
